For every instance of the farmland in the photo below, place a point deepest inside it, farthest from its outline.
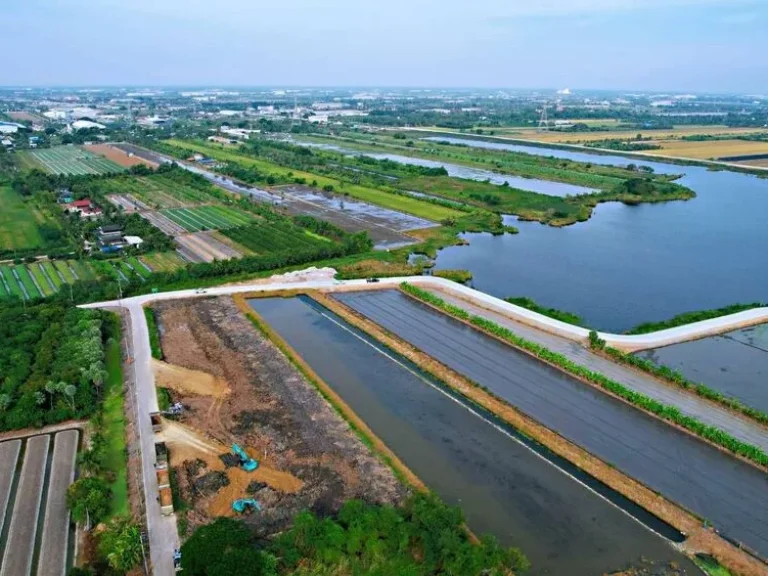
(118, 156)
(19, 222)
(206, 218)
(30, 527)
(155, 191)
(267, 237)
(72, 160)
(397, 202)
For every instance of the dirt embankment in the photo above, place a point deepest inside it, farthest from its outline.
(239, 388)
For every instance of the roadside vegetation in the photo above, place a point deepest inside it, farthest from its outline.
(663, 411)
(690, 317)
(423, 537)
(532, 305)
(154, 334)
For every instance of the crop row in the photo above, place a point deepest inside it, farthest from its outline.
(265, 237)
(206, 218)
(668, 413)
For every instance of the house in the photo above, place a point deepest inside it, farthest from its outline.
(110, 235)
(65, 196)
(133, 240)
(85, 208)
(7, 142)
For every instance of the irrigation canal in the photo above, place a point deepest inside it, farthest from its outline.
(729, 493)
(505, 486)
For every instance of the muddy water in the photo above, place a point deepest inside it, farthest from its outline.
(735, 363)
(503, 486)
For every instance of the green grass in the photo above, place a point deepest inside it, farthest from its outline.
(62, 267)
(12, 284)
(114, 425)
(52, 274)
(397, 202)
(83, 269)
(139, 267)
(35, 271)
(26, 279)
(689, 317)
(163, 398)
(72, 160)
(534, 306)
(154, 334)
(18, 222)
(710, 566)
(163, 261)
(3, 292)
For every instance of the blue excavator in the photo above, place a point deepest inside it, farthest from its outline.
(246, 462)
(246, 505)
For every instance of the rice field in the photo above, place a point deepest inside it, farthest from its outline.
(72, 160)
(203, 218)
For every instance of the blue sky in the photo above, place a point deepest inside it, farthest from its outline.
(686, 45)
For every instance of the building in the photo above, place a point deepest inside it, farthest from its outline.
(110, 234)
(86, 124)
(85, 208)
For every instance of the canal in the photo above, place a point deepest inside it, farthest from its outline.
(504, 486)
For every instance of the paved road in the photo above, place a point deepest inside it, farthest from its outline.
(163, 533)
(9, 455)
(708, 412)
(696, 475)
(55, 537)
(19, 548)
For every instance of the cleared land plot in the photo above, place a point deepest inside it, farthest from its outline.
(118, 156)
(712, 149)
(575, 137)
(72, 160)
(503, 487)
(125, 203)
(206, 248)
(684, 469)
(143, 153)
(19, 548)
(386, 227)
(9, 456)
(206, 218)
(19, 222)
(55, 537)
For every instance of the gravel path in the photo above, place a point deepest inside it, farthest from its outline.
(55, 538)
(17, 558)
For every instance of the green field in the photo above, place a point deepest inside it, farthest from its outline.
(13, 286)
(19, 222)
(207, 218)
(42, 282)
(72, 160)
(266, 237)
(163, 261)
(62, 267)
(156, 191)
(398, 202)
(27, 281)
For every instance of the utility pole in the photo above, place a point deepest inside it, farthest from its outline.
(543, 120)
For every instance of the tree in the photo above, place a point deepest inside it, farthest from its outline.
(5, 402)
(89, 499)
(224, 547)
(120, 544)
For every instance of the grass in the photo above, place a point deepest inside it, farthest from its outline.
(138, 267)
(114, 424)
(397, 202)
(26, 279)
(19, 222)
(689, 317)
(38, 275)
(83, 269)
(50, 269)
(62, 267)
(460, 276)
(671, 414)
(532, 305)
(12, 284)
(154, 334)
(163, 398)
(710, 566)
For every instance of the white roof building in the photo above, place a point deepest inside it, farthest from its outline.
(83, 124)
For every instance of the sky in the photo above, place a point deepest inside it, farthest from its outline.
(657, 45)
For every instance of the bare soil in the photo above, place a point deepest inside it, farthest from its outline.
(118, 156)
(308, 456)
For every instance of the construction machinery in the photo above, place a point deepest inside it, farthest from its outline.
(246, 505)
(246, 462)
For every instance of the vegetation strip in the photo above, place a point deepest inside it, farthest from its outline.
(365, 434)
(530, 304)
(668, 413)
(669, 512)
(690, 317)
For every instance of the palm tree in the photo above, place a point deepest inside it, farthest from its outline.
(51, 388)
(69, 391)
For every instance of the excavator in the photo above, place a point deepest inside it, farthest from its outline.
(246, 462)
(246, 505)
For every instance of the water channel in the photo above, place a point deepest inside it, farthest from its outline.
(503, 486)
(632, 264)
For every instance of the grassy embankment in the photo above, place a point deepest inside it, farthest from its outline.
(460, 276)
(19, 223)
(113, 422)
(534, 306)
(669, 413)
(398, 202)
(690, 317)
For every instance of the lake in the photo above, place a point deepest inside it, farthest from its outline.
(633, 264)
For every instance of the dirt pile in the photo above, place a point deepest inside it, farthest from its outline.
(308, 457)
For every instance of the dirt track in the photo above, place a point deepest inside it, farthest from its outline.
(309, 458)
